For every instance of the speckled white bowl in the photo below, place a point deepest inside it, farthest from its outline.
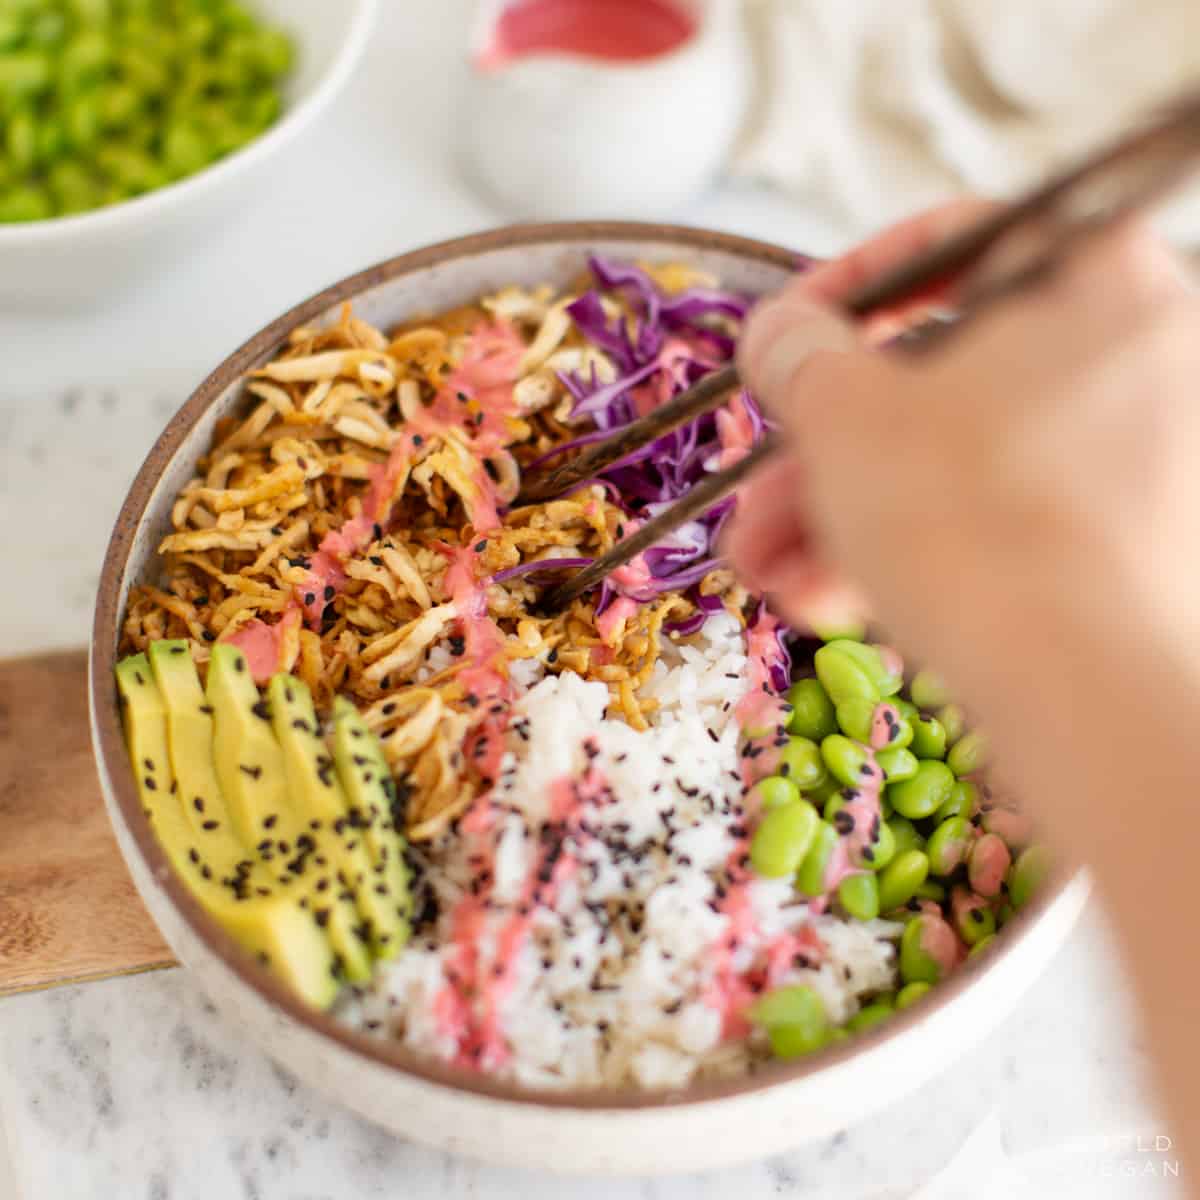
(80, 260)
(780, 1106)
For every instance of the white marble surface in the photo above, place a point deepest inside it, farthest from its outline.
(133, 1088)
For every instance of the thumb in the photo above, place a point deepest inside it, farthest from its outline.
(782, 334)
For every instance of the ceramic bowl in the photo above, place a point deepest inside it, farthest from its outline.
(566, 136)
(778, 1107)
(80, 260)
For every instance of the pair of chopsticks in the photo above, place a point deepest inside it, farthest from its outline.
(1009, 250)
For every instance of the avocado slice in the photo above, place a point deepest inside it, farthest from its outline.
(247, 758)
(252, 769)
(273, 927)
(371, 792)
(315, 791)
(190, 740)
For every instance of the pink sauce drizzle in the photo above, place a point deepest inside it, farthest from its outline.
(325, 566)
(485, 677)
(262, 644)
(612, 620)
(617, 30)
(940, 942)
(467, 1008)
(760, 711)
(863, 805)
(731, 992)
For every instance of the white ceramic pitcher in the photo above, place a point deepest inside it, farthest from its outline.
(566, 136)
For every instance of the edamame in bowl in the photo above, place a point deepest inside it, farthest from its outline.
(104, 100)
(128, 127)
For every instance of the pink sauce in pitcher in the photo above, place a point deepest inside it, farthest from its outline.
(614, 30)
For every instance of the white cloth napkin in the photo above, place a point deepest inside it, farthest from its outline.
(871, 109)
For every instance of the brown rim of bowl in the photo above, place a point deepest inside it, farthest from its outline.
(110, 743)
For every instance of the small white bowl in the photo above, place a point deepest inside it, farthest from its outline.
(554, 136)
(82, 259)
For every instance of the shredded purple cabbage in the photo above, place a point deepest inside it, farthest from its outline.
(677, 339)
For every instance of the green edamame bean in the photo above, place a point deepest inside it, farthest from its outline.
(981, 946)
(948, 845)
(855, 717)
(810, 878)
(905, 834)
(1004, 913)
(801, 762)
(783, 838)
(917, 965)
(848, 630)
(884, 849)
(859, 896)
(775, 792)
(954, 722)
(185, 151)
(881, 663)
(196, 31)
(24, 75)
(12, 31)
(963, 801)
(842, 676)
(794, 1018)
(119, 105)
(923, 794)
(867, 1018)
(130, 169)
(25, 202)
(1027, 874)
(20, 141)
(897, 764)
(931, 890)
(142, 70)
(84, 58)
(974, 920)
(969, 754)
(899, 880)
(275, 52)
(51, 140)
(813, 715)
(848, 761)
(928, 691)
(928, 738)
(72, 187)
(81, 118)
(47, 29)
(910, 993)
(908, 710)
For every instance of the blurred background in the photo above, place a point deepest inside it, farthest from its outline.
(805, 122)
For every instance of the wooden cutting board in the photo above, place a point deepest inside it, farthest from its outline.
(68, 909)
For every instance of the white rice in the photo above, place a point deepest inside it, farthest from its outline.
(615, 993)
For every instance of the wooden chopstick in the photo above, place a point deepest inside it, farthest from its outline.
(1040, 230)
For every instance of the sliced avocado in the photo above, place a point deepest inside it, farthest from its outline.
(273, 927)
(252, 770)
(370, 791)
(248, 761)
(190, 741)
(315, 791)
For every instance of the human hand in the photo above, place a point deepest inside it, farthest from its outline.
(1038, 469)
